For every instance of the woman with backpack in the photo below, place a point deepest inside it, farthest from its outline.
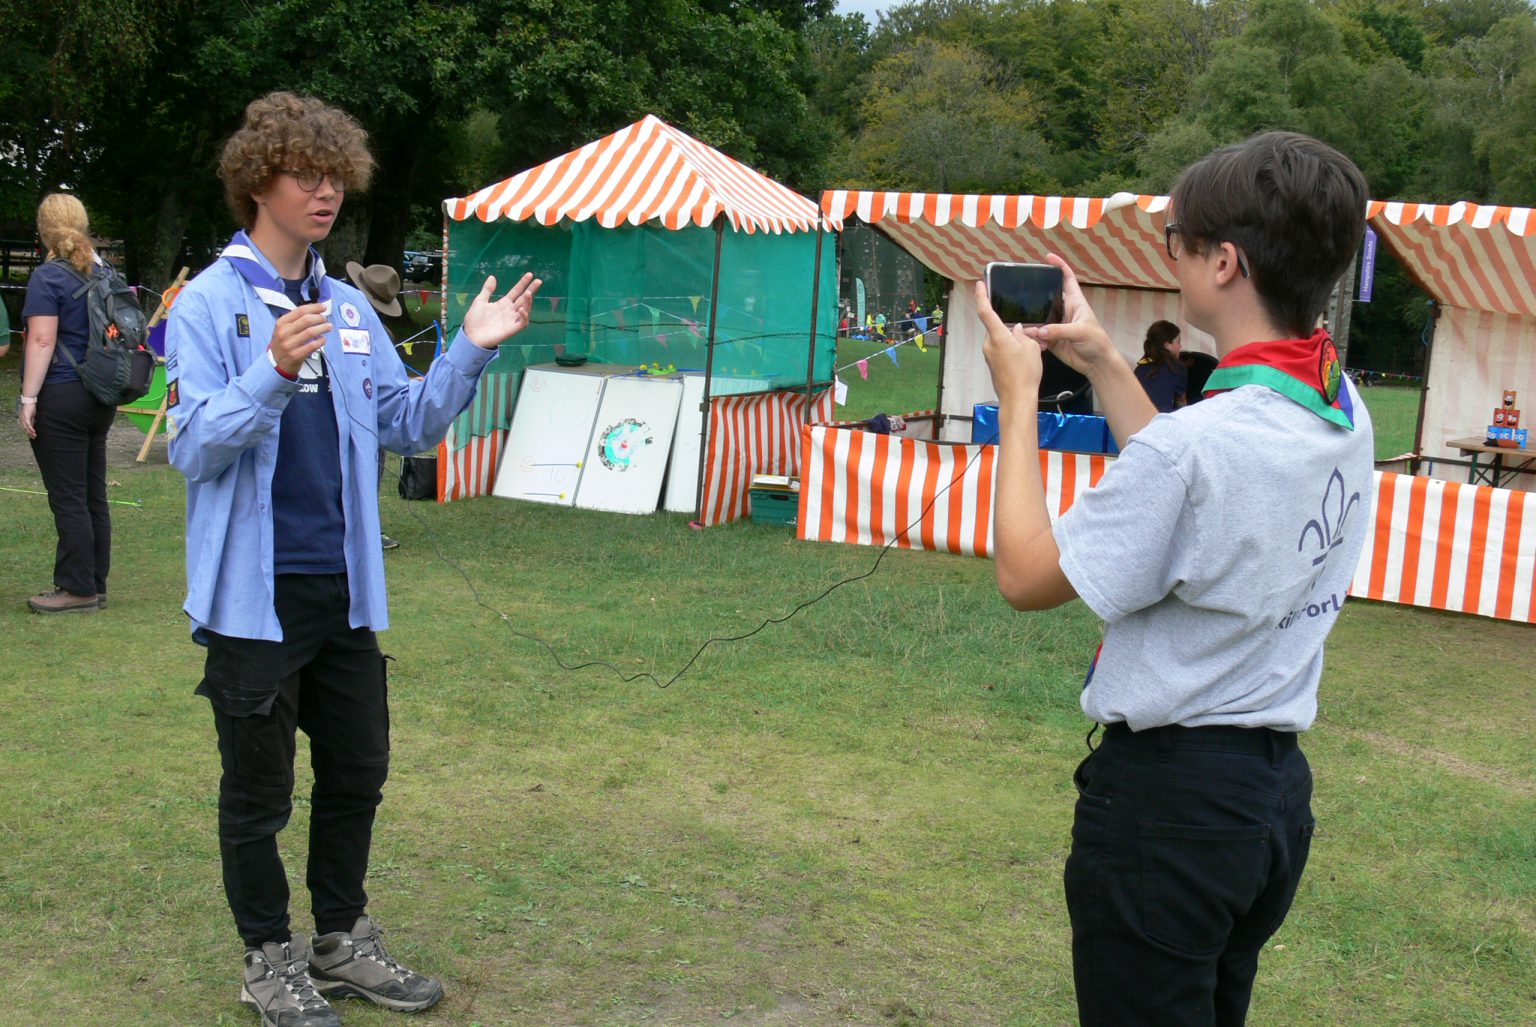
(66, 424)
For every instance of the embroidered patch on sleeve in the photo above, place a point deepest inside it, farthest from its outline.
(172, 393)
(242, 326)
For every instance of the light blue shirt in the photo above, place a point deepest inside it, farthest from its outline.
(227, 402)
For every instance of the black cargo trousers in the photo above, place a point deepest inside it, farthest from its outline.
(328, 679)
(1187, 848)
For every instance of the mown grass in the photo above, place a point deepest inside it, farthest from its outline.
(858, 817)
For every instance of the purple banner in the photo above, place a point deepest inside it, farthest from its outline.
(1368, 266)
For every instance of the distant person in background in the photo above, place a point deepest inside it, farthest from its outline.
(66, 424)
(5, 330)
(1159, 370)
(381, 284)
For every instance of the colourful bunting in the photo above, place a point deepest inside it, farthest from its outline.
(890, 351)
(864, 369)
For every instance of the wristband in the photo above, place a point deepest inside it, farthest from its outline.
(27, 401)
(273, 361)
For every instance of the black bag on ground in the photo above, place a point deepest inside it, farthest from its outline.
(418, 477)
(119, 364)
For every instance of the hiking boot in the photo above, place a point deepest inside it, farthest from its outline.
(355, 965)
(56, 600)
(101, 600)
(387, 542)
(277, 986)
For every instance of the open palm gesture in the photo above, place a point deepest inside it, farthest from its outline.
(489, 323)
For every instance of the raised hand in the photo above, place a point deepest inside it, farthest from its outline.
(488, 323)
(1012, 357)
(1080, 341)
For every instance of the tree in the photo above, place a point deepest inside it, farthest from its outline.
(942, 116)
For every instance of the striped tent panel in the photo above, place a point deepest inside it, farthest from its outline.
(1477, 355)
(1434, 544)
(754, 433)
(464, 472)
(648, 171)
(1447, 546)
(1467, 255)
(470, 455)
(1116, 241)
(870, 489)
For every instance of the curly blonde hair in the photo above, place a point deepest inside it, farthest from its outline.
(64, 227)
(283, 131)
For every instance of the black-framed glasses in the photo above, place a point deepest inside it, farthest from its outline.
(1174, 230)
(309, 181)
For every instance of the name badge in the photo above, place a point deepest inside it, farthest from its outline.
(355, 340)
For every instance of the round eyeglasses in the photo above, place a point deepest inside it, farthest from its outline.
(309, 181)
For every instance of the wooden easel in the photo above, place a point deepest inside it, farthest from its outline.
(159, 315)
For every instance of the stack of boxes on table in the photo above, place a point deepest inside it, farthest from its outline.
(1505, 431)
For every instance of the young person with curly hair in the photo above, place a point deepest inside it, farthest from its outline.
(283, 385)
(1217, 549)
(67, 426)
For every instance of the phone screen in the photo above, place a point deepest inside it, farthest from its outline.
(1027, 294)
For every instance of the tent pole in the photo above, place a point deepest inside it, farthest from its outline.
(1429, 353)
(810, 363)
(709, 369)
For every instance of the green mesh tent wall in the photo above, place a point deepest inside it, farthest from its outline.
(649, 244)
(642, 295)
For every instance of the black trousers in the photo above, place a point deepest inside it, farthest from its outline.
(1187, 848)
(329, 680)
(71, 453)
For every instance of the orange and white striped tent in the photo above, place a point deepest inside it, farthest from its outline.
(1114, 244)
(646, 172)
(1479, 263)
(1436, 543)
(1115, 241)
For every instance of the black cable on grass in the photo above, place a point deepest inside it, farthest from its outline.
(645, 675)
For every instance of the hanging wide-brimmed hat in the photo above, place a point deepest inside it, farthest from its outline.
(380, 283)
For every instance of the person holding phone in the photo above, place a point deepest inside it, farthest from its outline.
(281, 385)
(1234, 528)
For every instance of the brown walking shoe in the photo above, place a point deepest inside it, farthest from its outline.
(56, 600)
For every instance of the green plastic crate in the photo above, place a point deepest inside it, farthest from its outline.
(774, 506)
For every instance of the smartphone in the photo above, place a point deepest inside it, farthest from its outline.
(1025, 294)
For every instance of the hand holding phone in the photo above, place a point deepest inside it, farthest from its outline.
(1025, 294)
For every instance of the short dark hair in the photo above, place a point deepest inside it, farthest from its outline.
(1296, 207)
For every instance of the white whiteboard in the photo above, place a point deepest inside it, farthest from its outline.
(548, 440)
(627, 456)
(683, 472)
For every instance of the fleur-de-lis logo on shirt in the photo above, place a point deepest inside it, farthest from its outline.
(1328, 528)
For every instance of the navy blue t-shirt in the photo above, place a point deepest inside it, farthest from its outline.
(308, 527)
(1165, 384)
(50, 293)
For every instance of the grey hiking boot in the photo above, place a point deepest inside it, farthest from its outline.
(355, 965)
(277, 986)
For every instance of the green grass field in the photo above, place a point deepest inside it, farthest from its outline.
(857, 817)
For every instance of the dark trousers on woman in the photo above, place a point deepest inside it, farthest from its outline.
(71, 453)
(327, 679)
(1187, 848)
